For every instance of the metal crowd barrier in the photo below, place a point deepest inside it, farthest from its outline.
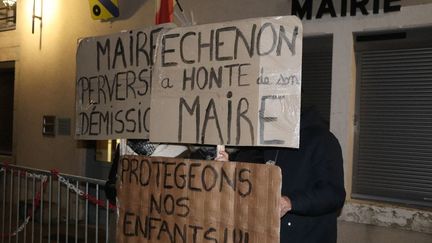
(47, 206)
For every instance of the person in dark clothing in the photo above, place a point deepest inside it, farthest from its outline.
(312, 182)
(110, 184)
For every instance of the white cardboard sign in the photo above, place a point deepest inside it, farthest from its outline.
(113, 84)
(234, 83)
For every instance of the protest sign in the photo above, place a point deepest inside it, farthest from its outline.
(234, 83)
(179, 200)
(113, 84)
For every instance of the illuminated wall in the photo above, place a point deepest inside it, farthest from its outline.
(45, 76)
(45, 63)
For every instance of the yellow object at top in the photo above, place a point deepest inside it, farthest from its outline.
(104, 9)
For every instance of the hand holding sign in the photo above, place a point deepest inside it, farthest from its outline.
(221, 154)
(284, 205)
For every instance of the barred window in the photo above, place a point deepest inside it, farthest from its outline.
(393, 159)
(7, 16)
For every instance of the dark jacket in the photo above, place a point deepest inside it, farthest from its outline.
(312, 177)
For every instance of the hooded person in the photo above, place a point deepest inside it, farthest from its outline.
(312, 181)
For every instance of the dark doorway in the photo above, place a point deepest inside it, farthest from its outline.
(7, 77)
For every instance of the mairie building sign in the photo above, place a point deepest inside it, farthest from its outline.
(308, 9)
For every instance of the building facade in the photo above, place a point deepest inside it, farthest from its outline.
(367, 65)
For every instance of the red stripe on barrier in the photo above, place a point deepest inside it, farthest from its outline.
(37, 199)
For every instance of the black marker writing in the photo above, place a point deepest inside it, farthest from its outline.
(213, 45)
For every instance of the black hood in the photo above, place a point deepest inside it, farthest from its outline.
(311, 117)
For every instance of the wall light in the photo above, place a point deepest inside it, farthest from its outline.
(9, 3)
(39, 17)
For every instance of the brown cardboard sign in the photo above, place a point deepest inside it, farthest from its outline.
(179, 200)
(234, 83)
(113, 84)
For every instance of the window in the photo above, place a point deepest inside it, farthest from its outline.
(7, 16)
(6, 106)
(393, 159)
